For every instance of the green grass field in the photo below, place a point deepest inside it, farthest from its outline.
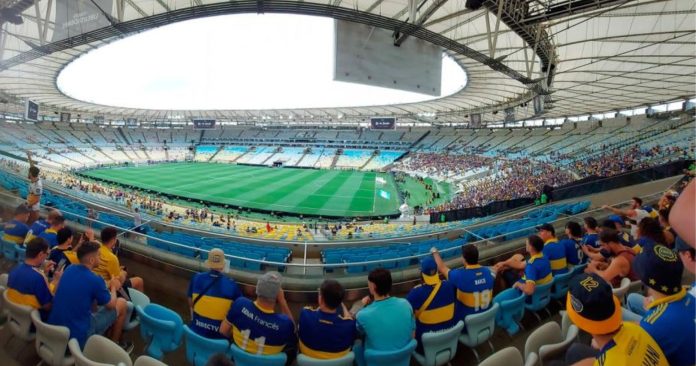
(297, 191)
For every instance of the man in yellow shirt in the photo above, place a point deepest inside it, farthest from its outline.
(592, 306)
(109, 266)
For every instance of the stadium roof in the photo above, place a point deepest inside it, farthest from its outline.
(595, 55)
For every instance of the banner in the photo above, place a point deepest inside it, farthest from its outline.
(203, 124)
(510, 114)
(31, 112)
(384, 123)
(65, 117)
(74, 17)
(475, 120)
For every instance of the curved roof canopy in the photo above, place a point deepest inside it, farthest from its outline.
(581, 56)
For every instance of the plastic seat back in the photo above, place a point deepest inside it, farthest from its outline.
(51, 342)
(199, 348)
(136, 298)
(479, 327)
(510, 356)
(622, 290)
(347, 360)
(148, 361)
(511, 310)
(548, 333)
(19, 319)
(439, 348)
(99, 351)
(559, 290)
(540, 298)
(162, 328)
(242, 358)
(400, 357)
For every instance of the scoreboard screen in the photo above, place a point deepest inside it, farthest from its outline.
(32, 111)
(65, 117)
(203, 124)
(383, 123)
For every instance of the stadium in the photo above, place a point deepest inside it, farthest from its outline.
(282, 182)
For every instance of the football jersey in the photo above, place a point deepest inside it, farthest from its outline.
(211, 308)
(631, 346)
(36, 189)
(51, 237)
(109, 266)
(440, 314)
(537, 270)
(325, 335)
(27, 286)
(474, 289)
(555, 252)
(573, 251)
(259, 331)
(15, 231)
(591, 240)
(38, 227)
(669, 321)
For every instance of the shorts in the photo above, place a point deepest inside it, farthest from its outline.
(102, 320)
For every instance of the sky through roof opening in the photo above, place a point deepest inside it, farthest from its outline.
(249, 61)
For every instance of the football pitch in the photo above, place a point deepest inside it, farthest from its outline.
(297, 191)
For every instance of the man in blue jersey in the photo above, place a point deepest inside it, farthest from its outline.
(474, 283)
(51, 234)
(386, 323)
(36, 229)
(536, 269)
(433, 302)
(81, 289)
(255, 327)
(328, 331)
(210, 295)
(16, 230)
(591, 234)
(63, 252)
(573, 244)
(668, 310)
(554, 251)
(27, 284)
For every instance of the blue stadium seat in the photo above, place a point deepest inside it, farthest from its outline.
(400, 357)
(479, 329)
(347, 360)
(199, 349)
(511, 310)
(162, 329)
(539, 299)
(439, 348)
(242, 358)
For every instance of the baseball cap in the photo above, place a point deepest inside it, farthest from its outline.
(216, 259)
(660, 269)
(268, 285)
(429, 271)
(591, 304)
(22, 209)
(616, 218)
(547, 227)
(680, 245)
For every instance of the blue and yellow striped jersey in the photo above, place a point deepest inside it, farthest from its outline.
(38, 227)
(631, 346)
(212, 307)
(51, 237)
(537, 270)
(474, 289)
(15, 231)
(259, 331)
(669, 321)
(555, 252)
(27, 286)
(324, 335)
(441, 313)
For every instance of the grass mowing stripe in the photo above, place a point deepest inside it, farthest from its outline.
(278, 187)
(364, 203)
(347, 189)
(328, 189)
(295, 192)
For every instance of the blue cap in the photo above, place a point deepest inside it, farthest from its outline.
(428, 265)
(616, 218)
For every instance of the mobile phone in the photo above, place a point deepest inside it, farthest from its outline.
(61, 265)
